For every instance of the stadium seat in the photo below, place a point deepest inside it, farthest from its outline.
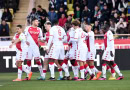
(68, 2)
(9, 25)
(11, 11)
(70, 13)
(70, 7)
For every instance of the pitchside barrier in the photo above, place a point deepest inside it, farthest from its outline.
(122, 53)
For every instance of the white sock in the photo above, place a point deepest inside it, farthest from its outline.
(44, 73)
(82, 73)
(64, 66)
(104, 71)
(75, 71)
(60, 72)
(19, 73)
(92, 69)
(52, 69)
(96, 70)
(40, 69)
(24, 68)
(117, 70)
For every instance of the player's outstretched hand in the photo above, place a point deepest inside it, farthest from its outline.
(111, 53)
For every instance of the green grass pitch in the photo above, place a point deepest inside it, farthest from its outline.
(6, 83)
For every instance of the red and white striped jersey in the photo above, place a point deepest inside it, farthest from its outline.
(80, 38)
(22, 44)
(57, 36)
(33, 34)
(109, 40)
(90, 41)
(70, 37)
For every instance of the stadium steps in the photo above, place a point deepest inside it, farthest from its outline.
(20, 16)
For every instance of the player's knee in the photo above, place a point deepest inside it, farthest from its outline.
(19, 64)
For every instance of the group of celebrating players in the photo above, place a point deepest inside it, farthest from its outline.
(81, 52)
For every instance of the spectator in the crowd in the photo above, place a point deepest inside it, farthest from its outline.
(116, 18)
(64, 6)
(77, 13)
(94, 14)
(4, 30)
(7, 15)
(68, 23)
(96, 26)
(60, 12)
(121, 27)
(12, 4)
(52, 16)
(105, 13)
(101, 4)
(2, 4)
(110, 4)
(76, 3)
(32, 15)
(112, 26)
(124, 17)
(61, 3)
(52, 4)
(92, 4)
(43, 15)
(84, 3)
(86, 14)
(122, 7)
(62, 20)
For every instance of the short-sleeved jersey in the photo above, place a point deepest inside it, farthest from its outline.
(70, 35)
(90, 41)
(57, 34)
(80, 37)
(33, 34)
(22, 44)
(109, 40)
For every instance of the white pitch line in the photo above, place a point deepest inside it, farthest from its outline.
(1, 85)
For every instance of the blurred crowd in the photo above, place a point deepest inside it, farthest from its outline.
(7, 8)
(96, 12)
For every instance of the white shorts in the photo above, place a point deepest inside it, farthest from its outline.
(72, 53)
(91, 56)
(81, 54)
(33, 52)
(57, 52)
(107, 57)
(21, 55)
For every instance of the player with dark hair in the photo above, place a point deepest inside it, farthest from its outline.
(56, 47)
(81, 54)
(109, 55)
(21, 49)
(91, 50)
(33, 34)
